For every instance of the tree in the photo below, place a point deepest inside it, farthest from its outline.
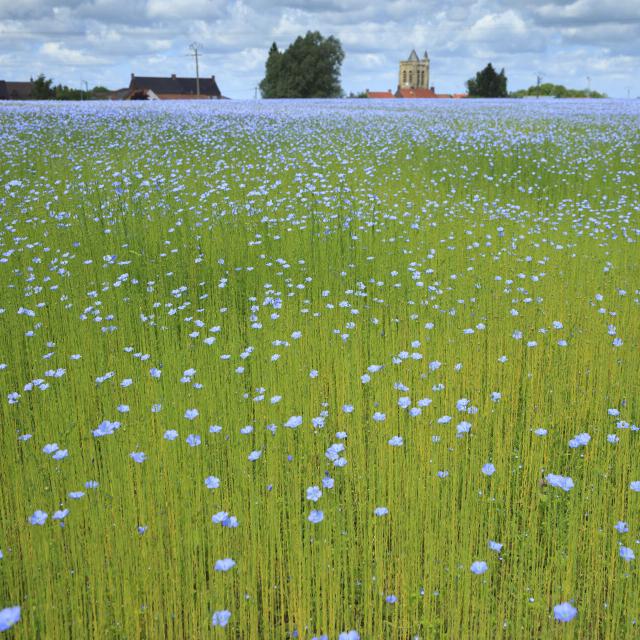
(488, 84)
(41, 88)
(309, 68)
(269, 85)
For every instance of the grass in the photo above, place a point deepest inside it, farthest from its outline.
(134, 232)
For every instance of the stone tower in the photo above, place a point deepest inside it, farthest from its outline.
(414, 73)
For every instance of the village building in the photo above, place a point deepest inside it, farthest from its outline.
(15, 90)
(413, 81)
(172, 88)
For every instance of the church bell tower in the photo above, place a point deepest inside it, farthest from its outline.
(414, 73)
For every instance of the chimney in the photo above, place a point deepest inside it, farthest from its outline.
(173, 76)
(133, 75)
(213, 78)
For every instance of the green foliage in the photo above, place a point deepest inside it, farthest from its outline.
(41, 88)
(488, 84)
(62, 92)
(550, 90)
(424, 231)
(309, 68)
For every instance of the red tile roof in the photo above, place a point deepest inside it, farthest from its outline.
(379, 94)
(415, 93)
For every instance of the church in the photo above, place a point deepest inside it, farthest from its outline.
(413, 80)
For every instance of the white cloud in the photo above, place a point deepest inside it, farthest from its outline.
(108, 39)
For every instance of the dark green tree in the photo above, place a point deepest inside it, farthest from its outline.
(309, 68)
(269, 85)
(41, 88)
(488, 84)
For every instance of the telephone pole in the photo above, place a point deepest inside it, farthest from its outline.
(538, 81)
(194, 47)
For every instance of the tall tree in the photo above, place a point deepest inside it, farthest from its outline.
(41, 88)
(488, 84)
(309, 68)
(269, 85)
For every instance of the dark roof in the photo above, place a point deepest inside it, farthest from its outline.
(175, 86)
(4, 94)
(19, 90)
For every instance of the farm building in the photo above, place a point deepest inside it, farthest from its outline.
(15, 90)
(172, 88)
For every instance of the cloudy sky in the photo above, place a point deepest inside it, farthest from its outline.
(103, 41)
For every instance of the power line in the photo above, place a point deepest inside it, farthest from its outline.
(194, 47)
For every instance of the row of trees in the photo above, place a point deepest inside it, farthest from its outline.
(42, 88)
(550, 90)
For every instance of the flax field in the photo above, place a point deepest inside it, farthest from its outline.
(337, 370)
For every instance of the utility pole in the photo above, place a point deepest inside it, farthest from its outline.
(589, 84)
(194, 47)
(255, 92)
(538, 81)
(628, 93)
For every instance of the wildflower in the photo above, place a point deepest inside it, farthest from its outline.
(463, 427)
(224, 565)
(479, 567)
(581, 440)
(155, 373)
(396, 441)
(193, 440)
(391, 599)
(50, 448)
(316, 516)
(561, 482)
(61, 454)
(621, 527)
(75, 495)
(9, 617)
(328, 482)
(635, 485)
(495, 546)
(191, 414)
(254, 455)
(138, 456)
(381, 511)
(293, 422)
(378, 416)
(60, 515)
(170, 434)
(38, 518)
(488, 469)
(564, 612)
(349, 635)
(627, 554)
(211, 482)
(220, 618)
(314, 494)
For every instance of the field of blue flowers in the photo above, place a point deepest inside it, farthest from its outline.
(336, 370)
